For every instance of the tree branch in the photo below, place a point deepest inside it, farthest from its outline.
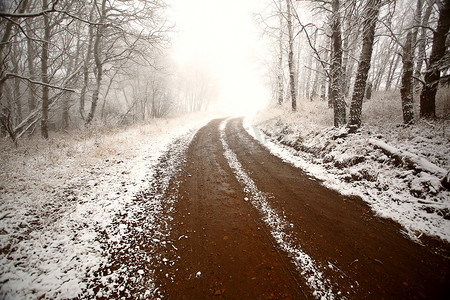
(9, 75)
(4, 14)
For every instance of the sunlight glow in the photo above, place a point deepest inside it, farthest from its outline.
(223, 36)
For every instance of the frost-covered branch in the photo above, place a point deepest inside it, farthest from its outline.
(11, 75)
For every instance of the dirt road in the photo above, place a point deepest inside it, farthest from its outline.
(246, 225)
(236, 222)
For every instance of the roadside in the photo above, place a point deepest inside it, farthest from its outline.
(354, 165)
(59, 198)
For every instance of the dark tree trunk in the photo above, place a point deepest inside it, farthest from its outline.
(30, 60)
(98, 64)
(325, 78)
(369, 89)
(432, 75)
(309, 68)
(336, 92)
(406, 90)
(421, 52)
(5, 43)
(87, 62)
(370, 22)
(44, 73)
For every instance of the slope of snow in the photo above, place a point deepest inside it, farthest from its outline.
(353, 165)
(57, 196)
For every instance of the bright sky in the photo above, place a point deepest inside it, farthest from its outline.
(222, 34)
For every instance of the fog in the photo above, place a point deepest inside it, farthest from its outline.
(221, 37)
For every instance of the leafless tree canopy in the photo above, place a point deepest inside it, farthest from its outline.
(65, 63)
(69, 63)
(345, 49)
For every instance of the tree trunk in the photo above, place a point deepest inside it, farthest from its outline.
(324, 80)
(106, 94)
(280, 57)
(406, 90)
(98, 64)
(44, 73)
(30, 60)
(309, 68)
(5, 42)
(416, 24)
(392, 68)
(87, 62)
(336, 92)
(432, 75)
(291, 57)
(16, 95)
(369, 25)
(421, 52)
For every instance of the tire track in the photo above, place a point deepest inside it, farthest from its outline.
(307, 266)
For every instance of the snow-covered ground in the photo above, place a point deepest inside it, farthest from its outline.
(354, 164)
(58, 196)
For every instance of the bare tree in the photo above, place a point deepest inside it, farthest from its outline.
(291, 56)
(336, 73)
(369, 25)
(280, 76)
(438, 50)
(51, 37)
(422, 41)
(406, 90)
(97, 59)
(86, 63)
(44, 72)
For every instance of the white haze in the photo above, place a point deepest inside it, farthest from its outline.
(222, 36)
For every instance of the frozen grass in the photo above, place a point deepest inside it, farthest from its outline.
(57, 196)
(350, 164)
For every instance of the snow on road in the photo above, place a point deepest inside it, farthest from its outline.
(57, 196)
(310, 270)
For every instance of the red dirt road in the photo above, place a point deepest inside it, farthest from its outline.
(223, 248)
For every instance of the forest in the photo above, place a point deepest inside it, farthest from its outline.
(66, 64)
(344, 51)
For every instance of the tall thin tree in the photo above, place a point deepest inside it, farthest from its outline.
(44, 72)
(291, 56)
(280, 55)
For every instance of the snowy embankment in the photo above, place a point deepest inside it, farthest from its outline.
(57, 196)
(397, 170)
